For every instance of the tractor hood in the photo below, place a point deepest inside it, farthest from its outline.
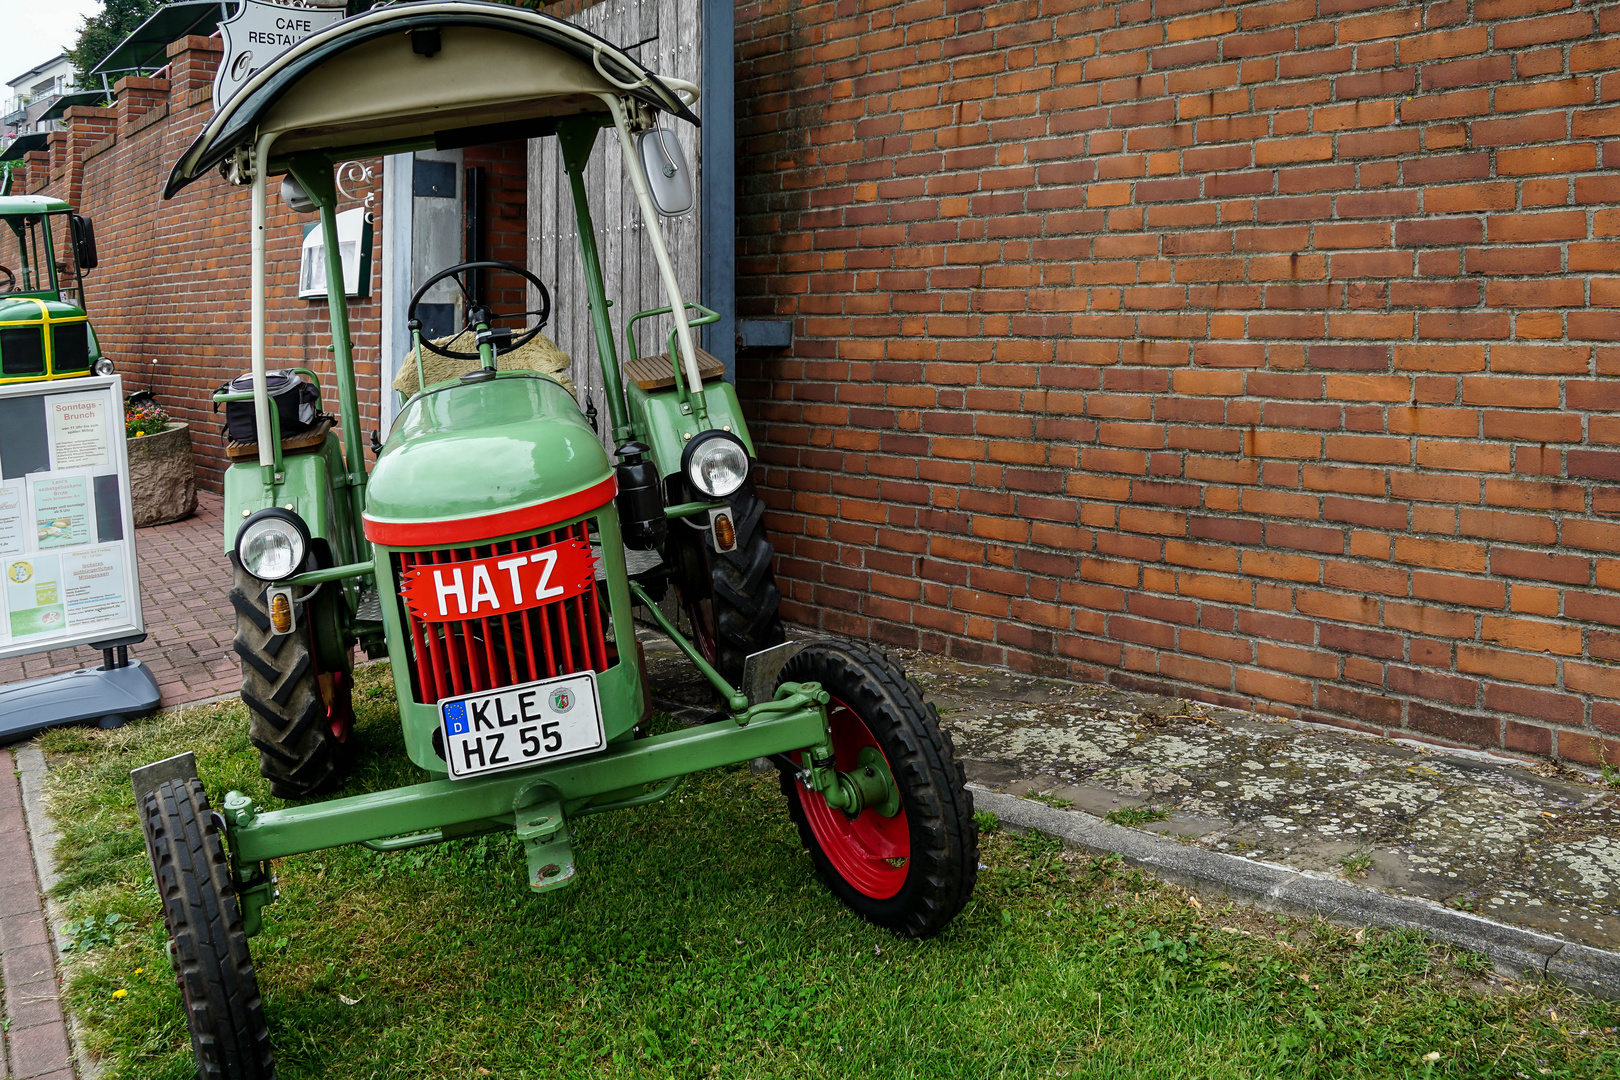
(33, 308)
(467, 463)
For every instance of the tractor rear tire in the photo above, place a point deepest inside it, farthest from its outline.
(911, 872)
(207, 944)
(299, 718)
(731, 597)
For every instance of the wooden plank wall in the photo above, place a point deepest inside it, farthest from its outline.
(668, 33)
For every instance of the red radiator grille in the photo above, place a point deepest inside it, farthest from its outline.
(469, 655)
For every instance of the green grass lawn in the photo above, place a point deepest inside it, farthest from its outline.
(699, 943)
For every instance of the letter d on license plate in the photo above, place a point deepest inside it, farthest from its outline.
(523, 725)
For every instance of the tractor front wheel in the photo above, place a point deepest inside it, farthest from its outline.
(299, 718)
(207, 943)
(909, 870)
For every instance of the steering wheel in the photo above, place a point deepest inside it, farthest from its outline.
(480, 313)
(11, 279)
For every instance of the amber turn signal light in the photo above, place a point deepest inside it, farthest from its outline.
(281, 610)
(725, 532)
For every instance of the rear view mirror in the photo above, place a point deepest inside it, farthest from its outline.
(668, 178)
(84, 241)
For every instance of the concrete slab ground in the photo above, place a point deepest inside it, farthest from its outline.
(1530, 845)
(184, 580)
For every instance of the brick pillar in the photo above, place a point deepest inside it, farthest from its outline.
(86, 127)
(38, 164)
(192, 63)
(137, 97)
(57, 146)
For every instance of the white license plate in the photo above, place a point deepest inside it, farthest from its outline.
(523, 725)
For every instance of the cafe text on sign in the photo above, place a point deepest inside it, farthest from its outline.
(500, 584)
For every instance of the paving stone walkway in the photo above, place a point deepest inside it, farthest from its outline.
(36, 1038)
(185, 577)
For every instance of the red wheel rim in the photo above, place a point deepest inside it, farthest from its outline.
(870, 851)
(340, 710)
(702, 614)
(337, 694)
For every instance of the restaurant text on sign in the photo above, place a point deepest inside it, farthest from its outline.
(499, 584)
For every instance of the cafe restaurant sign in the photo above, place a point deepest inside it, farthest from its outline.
(257, 34)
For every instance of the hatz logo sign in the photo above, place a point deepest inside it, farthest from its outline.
(257, 34)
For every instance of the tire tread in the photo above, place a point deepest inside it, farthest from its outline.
(224, 1011)
(298, 753)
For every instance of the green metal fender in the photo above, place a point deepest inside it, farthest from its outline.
(308, 487)
(665, 424)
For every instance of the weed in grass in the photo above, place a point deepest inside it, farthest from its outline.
(987, 822)
(1136, 815)
(91, 932)
(699, 943)
(1356, 863)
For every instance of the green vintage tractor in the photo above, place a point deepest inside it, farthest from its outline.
(496, 554)
(44, 332)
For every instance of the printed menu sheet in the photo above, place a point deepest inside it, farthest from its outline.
(67, 555)
(79, 431)
(61, 509)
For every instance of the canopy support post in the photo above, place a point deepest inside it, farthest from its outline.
(576, 137)
(269, 450)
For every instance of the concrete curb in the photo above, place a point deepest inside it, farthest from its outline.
(1515, 952)
(42, 838)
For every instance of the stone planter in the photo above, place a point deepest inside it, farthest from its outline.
(162, 476)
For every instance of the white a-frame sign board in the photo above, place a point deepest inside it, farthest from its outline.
(67, 552)
(67, 533)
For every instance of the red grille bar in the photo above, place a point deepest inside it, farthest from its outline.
(470, 655)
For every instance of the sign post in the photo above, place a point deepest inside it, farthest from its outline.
(68, 573)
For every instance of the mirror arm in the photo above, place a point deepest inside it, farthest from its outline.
(666, 270)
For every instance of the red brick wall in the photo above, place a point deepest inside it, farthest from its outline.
(1262, 353)
(506, 222)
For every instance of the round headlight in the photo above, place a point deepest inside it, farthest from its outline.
(716, 464)
(272, 544)
(103, 366)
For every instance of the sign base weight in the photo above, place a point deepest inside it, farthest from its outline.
(108, 695)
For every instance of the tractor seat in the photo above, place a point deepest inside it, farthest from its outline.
(305, 442)
(540, 355)
(657, 372)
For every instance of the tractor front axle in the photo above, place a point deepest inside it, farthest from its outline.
(537, 802)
